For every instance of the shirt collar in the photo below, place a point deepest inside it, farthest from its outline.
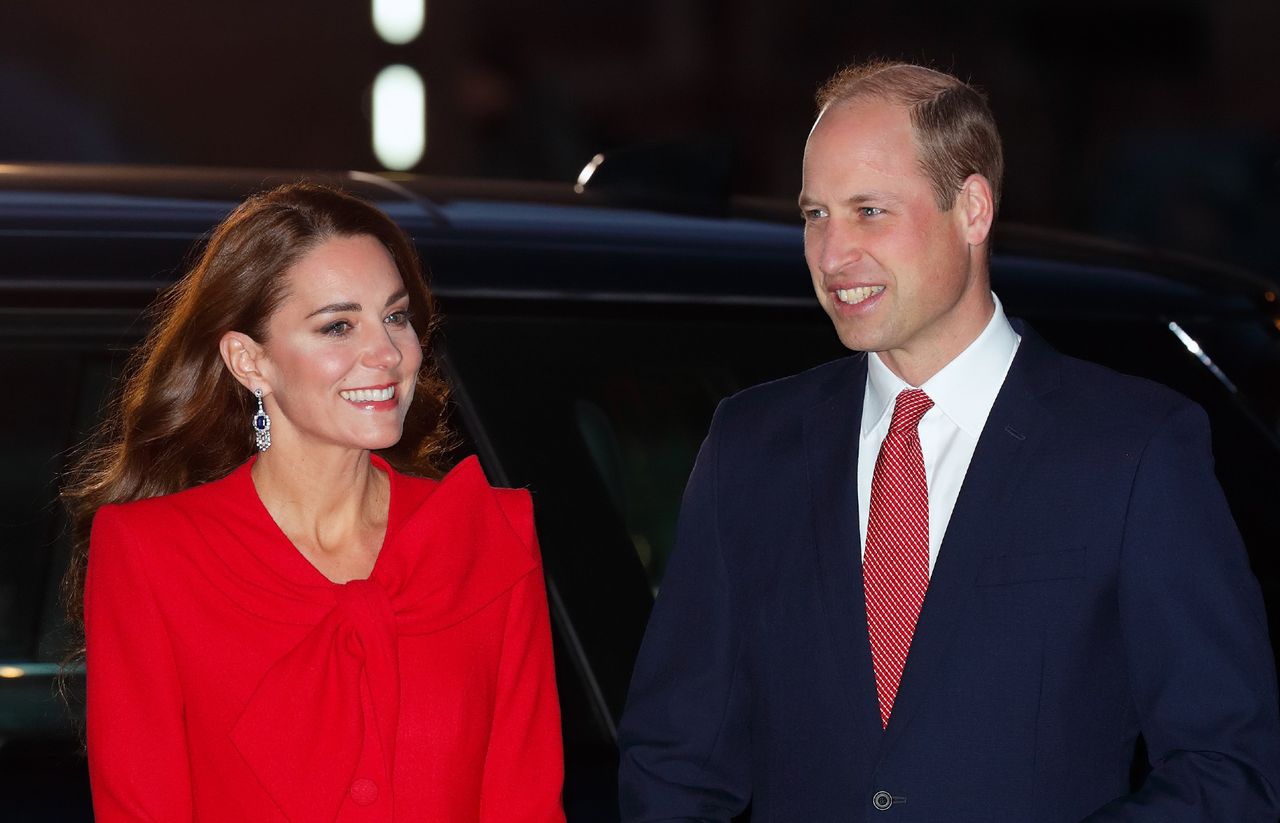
(964, 390)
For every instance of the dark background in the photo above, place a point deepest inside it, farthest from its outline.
(1156, 122)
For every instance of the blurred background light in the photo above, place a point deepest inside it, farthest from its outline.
(399, 21)
(11, 671)
(584, 176)
(399, 117)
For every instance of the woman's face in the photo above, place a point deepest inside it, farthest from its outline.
(341, 356)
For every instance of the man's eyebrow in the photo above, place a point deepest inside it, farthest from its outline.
(858, 199)
(334, 308)
(872, 197)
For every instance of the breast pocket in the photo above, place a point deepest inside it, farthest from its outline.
(1007, 569)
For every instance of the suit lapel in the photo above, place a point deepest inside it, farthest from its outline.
(831, 448)
(1011, 436)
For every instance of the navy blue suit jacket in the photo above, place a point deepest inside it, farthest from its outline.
(1091, 586)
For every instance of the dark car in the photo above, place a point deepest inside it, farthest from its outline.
(587, 343)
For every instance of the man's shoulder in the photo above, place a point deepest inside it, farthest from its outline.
(796, 393)
(768, 421)
(1091, 391)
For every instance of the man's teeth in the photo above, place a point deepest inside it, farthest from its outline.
(857, 295)
(369, 395)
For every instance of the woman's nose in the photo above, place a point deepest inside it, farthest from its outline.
(382, 351)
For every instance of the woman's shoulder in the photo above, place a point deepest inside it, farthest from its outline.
(151, 512)
(470, 498)
(457, 543)
(467, 477)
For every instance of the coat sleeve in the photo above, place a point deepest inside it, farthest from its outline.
(684, 735)
(524, 762)
(138, 761)
(1200, 664)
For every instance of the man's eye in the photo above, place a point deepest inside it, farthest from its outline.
(814, 214)
(870, 211)
(337, 328)
(398, 318)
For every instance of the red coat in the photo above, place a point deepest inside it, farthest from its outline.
(228, 680)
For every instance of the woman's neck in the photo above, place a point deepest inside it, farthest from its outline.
(333, 507)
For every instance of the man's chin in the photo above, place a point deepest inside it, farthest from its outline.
(857, 339)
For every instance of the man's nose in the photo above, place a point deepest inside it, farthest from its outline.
(841, 246)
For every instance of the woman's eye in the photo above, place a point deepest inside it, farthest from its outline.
(337, 328)
(398, 318)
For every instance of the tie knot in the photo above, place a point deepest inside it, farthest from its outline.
(909, 408)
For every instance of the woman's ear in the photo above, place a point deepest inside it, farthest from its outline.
(244, 358)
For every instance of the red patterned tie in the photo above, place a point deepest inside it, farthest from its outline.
(895, 567)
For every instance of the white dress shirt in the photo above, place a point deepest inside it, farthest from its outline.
(963, 393)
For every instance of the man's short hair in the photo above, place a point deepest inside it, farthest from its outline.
(956, 133)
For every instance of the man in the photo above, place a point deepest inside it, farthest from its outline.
(955, 578)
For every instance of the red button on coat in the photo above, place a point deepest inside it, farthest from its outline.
(364, 791)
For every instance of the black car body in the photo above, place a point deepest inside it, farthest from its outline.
(587, 344)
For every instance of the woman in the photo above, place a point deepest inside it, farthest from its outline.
(309, 632)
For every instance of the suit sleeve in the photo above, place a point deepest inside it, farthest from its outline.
(524, 762)
(1200, 663)
(684, 735)
(138, 761)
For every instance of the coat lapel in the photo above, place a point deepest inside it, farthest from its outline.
(1014, 429)
(831, 449)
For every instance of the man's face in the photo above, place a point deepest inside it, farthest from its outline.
(895, 274)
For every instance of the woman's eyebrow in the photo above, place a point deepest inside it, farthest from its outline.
(332, 308)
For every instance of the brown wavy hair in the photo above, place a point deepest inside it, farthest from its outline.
(180, 418)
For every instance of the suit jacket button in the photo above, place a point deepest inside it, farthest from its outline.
(364, 791)
(882, 800)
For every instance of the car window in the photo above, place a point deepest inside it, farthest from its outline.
(57, 390)
(628, 399)
(1246, 351)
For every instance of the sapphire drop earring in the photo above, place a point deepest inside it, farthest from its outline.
(261, 424)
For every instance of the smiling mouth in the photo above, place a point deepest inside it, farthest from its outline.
(369, 395)
(852, 297)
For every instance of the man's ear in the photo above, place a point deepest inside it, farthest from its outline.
(244, 358)
(977, 205)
